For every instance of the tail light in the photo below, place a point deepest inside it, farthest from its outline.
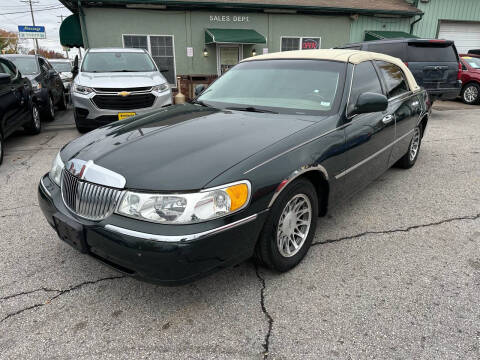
(459, 73)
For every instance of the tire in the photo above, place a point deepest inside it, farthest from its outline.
(411, 156)
(81, 129)
(471, 94)
(49, 113)
(35, 125)
(62, 104)
(283, 255)
(2, 147)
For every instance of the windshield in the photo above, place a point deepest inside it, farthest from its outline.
(26, 65)
(61, 66)
(473, 62)
(284, 86)
(117, 62)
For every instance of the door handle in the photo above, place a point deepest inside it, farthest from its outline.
(387, 119)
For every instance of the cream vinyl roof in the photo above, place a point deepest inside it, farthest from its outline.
(350, 56)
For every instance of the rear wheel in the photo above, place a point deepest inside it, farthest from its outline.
(290, 227)
(410, 158)
(35, 125)
(49, 112)
(471, 93)
(62, 104)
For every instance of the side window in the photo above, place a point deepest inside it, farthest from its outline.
(394, 79)
(7, 68)
(394, 49)
(365, 79)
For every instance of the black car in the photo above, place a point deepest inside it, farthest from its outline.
(47, 85)
(17, 107)
(244, 170)
(434, 63)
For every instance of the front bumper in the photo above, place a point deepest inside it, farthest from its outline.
(89, 115)
(181, 255)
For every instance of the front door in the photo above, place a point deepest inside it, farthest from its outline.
(368, 136)
(227, 57)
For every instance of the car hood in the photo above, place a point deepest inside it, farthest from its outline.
(181, 147)
(120, 80)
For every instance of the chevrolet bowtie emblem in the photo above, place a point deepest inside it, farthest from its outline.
(123, 93)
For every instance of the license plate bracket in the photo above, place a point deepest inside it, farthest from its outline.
(125, 115)
(71, 232)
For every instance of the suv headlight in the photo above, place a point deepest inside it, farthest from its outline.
(36, 86)
(186, 208)
(161, 87)
(57, 167)
(84, 90)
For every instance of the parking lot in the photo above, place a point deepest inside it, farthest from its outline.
(394, 273)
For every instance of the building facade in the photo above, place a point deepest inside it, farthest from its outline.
(200, 40)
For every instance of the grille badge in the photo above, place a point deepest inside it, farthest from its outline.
(124, 93)
(91, 172)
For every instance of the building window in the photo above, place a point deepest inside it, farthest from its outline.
(161, 48)
(289, 43)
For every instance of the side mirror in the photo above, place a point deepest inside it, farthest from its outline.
(4, 79)
(199, 89)
(370, 102)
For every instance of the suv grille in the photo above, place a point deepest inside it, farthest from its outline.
(132, 102)
(123, 89)
(88, 200)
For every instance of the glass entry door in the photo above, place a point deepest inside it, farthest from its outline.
(227, 57)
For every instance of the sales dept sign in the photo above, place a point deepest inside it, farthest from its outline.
(31, 32)
(310, 43)
(228, 18)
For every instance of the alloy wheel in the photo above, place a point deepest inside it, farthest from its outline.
(36, 117)
(470, 95)
(415, 144)
(294, 225)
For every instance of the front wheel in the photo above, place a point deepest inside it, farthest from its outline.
(470, 94)
(290, 227)
(410, 158)
(62, 104)
(2, 148)
(49, 112)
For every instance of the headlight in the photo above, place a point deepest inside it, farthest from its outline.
(186, 208)
(57, 167)
(36, 86)
(161, 87)
(84, 90)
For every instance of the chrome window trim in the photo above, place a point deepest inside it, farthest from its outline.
(179, 238)
(295, 175)
(345, 172)
(294, 148)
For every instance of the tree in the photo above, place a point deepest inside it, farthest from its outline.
(9, 42)
(49, 54)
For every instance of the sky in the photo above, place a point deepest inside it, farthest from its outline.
(46, 13)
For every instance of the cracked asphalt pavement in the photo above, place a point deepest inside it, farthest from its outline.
(393, 273)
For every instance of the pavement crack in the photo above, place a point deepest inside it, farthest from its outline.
(58, 294)
(28, 292)
(407, 229)
(269, 318)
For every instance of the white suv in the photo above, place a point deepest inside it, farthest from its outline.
(113, 84)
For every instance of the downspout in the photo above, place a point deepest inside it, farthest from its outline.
(415, 3)
(83, 26)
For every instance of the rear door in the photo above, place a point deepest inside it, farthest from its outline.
(12, 99)
(402, 104)
(368, 136)
(433, 63)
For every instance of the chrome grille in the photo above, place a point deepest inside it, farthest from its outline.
(88, 200)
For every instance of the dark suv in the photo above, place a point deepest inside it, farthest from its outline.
(47, 85)
(17, 108)
(434, 63)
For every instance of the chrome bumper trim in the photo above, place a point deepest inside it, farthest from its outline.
(179, 238)
(45, 188)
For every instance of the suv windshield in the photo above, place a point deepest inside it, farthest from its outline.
(285, 86)
(473, 62)
(117, 62)
(61, 66)
(26, 65)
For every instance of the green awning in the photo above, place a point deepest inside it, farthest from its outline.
(70, 32)
(233, 36)
(380, 35)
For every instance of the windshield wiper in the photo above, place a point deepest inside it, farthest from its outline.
(252, 109)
